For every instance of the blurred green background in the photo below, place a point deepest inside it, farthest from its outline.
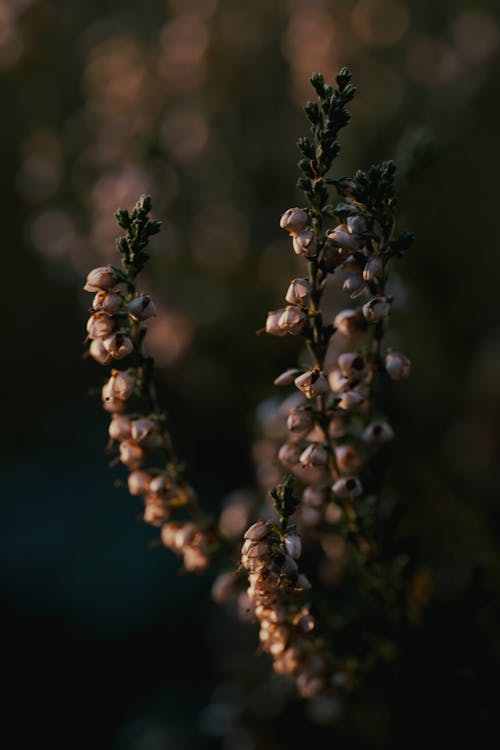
(199, 103)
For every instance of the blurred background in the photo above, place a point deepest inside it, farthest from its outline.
(199, 103)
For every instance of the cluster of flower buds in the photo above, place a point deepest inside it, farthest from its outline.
(287, 627)
(137, 428)
(190, 541)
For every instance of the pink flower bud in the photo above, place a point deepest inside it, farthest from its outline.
(138, 482)
(348, 488)
(354, 285)
(352, 365)
(341, 237)
(109, 302)
(98, 352)
(398, 366)
(273, 323)
(104, 277)
(312, 383)
(314, 455)
(348, 322)
(374, 268)
(119, 427)
(287, 377)
(169, 533)
(377, 433)
(141, 308)
(257, 531)
(314, 497)
(300, 421)
(100, 325)
(131, 454)
(294, 220)
(120, 385)
(357, 224)
(118, 345)
(156, 512)
(289, 454)
(338, 382)
(292, 320)
(333, 513)
(293, 545)
(224, 585)
(161, 485)
(376, 309)
(305, 243)
(350, 400)
(347, 457)
(337, 426)
(145, 432)
(299, 292)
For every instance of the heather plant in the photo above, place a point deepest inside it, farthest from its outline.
(329, 623)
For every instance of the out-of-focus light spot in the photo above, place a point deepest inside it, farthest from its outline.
(220, 237)
(53, 234)
(169, 337)
(311, 42)
(477, 36)
(184, 134)
(11, 42)
(380, 23)
(432, 62)
(40, 172)
(183, 43)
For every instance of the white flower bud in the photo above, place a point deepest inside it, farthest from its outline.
(145, 432)
(348, 322)
(347, 457)
(119, 427)
(104, 277)
(299, 292)
(300, 421)
(287, 377)
(398, 366)
(305, 243)
(294, 220)
(118, 345)
(98, 352)
(376, 309)
(350, 400)
(292, 320)
(348, 488)
(108, 302)
(289, 454)
(100, 325)
(141, 308)
(377, 433)
(312, 383)
(258, 530)
(357, 224)
(314, 455)
(374, 268)
(131, 454)
(341, 237)
(138, 482)
(273, 323)
(352, 365)
(354, 285)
